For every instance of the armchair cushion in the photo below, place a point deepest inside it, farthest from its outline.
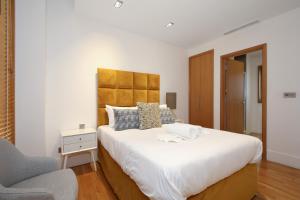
(62, 184)
(24, 194)
(16, 167)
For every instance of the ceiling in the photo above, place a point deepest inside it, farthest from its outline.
(196, 21)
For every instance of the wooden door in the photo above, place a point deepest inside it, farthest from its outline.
(201, 89)
(234, 96)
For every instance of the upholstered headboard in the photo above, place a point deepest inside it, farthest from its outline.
(124, 88)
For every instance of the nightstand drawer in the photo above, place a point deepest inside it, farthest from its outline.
(79, 146)
(79, 138)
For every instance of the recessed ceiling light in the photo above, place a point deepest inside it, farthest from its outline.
(118, 4)
(170, 24)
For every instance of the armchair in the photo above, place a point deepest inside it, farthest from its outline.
(33, 178)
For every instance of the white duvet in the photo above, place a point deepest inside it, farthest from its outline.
(175, 171)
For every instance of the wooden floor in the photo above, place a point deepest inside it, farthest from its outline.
(275, 182)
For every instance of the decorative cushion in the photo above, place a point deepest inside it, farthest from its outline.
(126, 119)
(111, 115)
(166, 116)
(149, 115)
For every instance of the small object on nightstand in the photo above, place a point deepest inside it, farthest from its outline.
(81, 126)
(78, 140)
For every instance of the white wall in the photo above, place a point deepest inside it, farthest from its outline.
(77, 46)
(282, 36)
(56, 64)
(57, 56)
(253, 108)
(30, 76)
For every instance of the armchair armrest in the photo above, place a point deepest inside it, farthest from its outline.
(40, 165)
(25, 194)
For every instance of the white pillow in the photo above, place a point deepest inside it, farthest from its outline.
(110, 112)
(163, 106)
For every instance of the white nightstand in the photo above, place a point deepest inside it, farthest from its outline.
(78, 140)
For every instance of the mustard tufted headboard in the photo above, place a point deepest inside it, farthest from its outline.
(124, 88)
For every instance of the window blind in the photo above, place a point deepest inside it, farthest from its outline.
(7, 97)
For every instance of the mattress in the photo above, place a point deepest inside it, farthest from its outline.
(164, 170)
(228, 188)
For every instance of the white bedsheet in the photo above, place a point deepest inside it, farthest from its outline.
(175, 171)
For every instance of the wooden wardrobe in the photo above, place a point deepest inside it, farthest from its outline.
(201, 87)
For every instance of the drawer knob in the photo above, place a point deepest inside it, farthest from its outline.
(80, 146)
(79, 138)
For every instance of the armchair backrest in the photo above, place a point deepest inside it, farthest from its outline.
(11, 161)
(16, 167)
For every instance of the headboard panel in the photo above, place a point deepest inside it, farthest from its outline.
(124, 88)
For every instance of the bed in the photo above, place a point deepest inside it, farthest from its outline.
(218, 165)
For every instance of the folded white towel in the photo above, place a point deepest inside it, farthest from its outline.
(186, 131)
(170, 138)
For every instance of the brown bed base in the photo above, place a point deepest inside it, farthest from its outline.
(242, 185)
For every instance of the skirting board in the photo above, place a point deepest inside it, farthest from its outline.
(283, 158)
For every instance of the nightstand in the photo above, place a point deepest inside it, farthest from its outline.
(77, 141)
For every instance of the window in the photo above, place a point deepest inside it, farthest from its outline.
(7, 75)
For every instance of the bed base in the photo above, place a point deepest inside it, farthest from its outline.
(242, 185)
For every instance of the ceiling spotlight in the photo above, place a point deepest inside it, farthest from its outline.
(118, 4)
(170, 24)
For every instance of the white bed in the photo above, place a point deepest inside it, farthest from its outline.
(178, 170)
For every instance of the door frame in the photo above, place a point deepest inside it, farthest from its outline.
(262, 47)
(212, 51)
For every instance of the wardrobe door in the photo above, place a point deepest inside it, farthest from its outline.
(201, 89)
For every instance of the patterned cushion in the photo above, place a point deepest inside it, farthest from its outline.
(149, 115)
(166, 116)
(126, 119)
